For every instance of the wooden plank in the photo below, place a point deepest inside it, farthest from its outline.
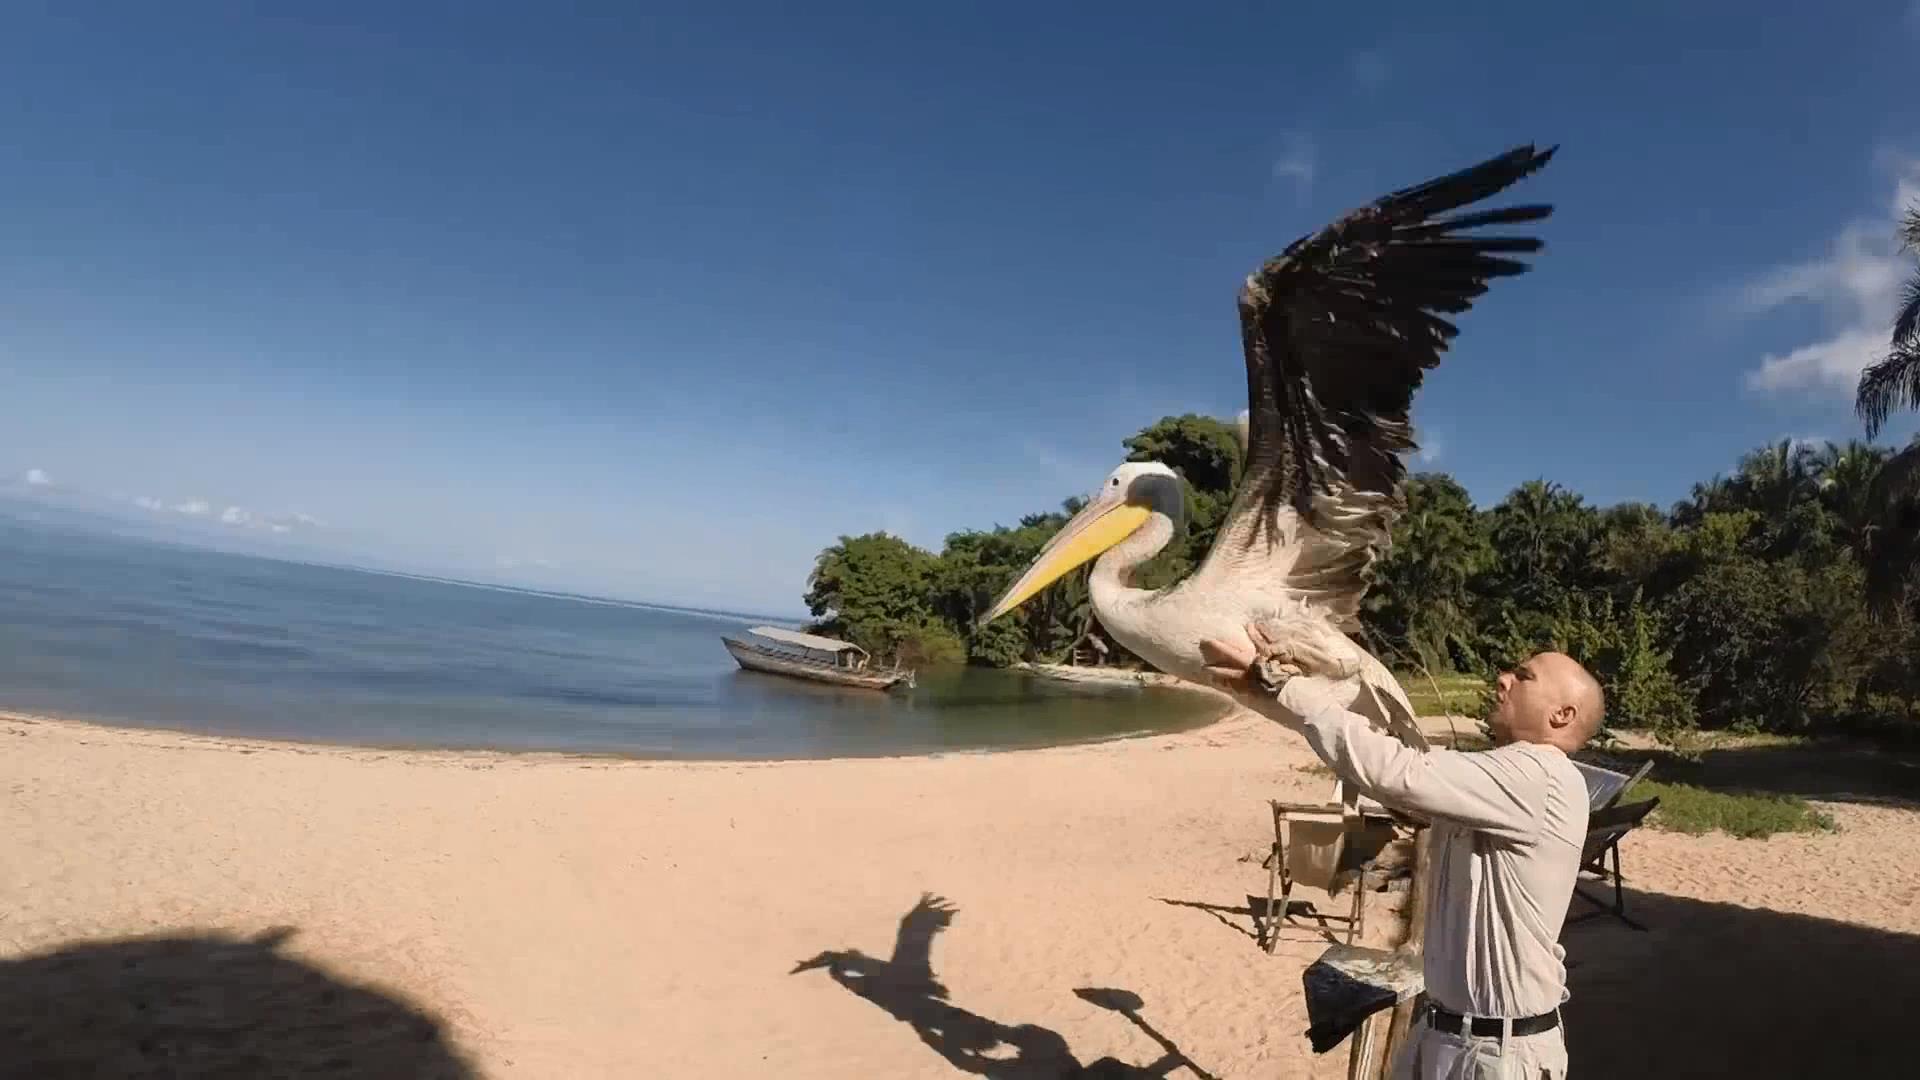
(1412, 944)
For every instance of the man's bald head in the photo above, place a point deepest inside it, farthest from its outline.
(1548, 698)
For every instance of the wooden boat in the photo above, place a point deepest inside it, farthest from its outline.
(1096, 676)
(1110, 676)
(809, 656)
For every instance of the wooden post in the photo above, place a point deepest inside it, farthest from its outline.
(1412, 943)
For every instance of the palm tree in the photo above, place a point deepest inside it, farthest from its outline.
(1776, 477)
(1893, 542)
(1844, 476)
(1418, 609)
(1895, 380)
(1539, 531)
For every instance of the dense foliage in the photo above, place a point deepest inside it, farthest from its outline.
(1782, 597)
(1745, 606)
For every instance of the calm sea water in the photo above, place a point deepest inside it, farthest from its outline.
(136, 633)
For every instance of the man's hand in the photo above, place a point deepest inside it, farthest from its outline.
(1230, 661)
(1232, 664)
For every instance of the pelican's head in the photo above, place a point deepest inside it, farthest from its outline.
(1128, 499)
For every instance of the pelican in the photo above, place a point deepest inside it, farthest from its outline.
(1337, 331)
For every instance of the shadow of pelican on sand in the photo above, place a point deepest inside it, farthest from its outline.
(904, 987)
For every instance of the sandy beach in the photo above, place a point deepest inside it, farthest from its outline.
(424, 913)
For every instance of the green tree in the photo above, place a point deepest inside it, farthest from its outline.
(1635, 550)
(975, 567)
(1893, 547)
(1775, 477)
(1642, 690)
(1201, 448)
(1207, 455)
(1420, 607)
(1542, 534)
(1619, 644)
(1542, 537)
(1844, 475)
(874, 591)
(1744, 606)
(1894, 380)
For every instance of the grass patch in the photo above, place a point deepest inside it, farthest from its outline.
(1469, 738)
(1445, 694)
(1694, 810)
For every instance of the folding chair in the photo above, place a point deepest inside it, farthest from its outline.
(1605, 828)
(1325, 845)
(1605, 787)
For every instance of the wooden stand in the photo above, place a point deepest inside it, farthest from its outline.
(1355, 839)
(1412, 945)
(1365, 1060)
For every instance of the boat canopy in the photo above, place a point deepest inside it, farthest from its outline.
(807, 641)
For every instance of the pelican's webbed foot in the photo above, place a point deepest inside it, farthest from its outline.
(1287, 646)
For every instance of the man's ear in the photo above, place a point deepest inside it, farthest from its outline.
(1563, 716)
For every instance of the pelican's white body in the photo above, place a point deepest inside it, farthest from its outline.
(1232, 590)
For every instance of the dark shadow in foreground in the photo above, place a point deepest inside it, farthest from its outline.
(1719, 990)
(205, 1005)
(904, 986)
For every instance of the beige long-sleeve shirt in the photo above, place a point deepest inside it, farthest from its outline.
(1508, 825)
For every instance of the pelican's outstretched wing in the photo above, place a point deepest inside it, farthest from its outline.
(1338, 331)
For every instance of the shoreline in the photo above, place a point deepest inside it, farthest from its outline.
(1229, 711)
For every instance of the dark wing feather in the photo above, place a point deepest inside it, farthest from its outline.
(1340, 328)
(1338, 331)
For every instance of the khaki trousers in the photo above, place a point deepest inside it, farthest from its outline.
(1437, 1055)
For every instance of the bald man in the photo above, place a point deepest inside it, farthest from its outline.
(1508, 825)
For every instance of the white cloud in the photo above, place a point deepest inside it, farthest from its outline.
(236, 516)
(1297, 161)
(1833, 364)
(1370, 70)
(279, 523)
(1857, 284)
(1430, 449)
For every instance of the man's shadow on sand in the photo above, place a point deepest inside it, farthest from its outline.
(905, 987)
(207, 1004)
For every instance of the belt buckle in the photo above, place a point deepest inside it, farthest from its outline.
(1445, 1020)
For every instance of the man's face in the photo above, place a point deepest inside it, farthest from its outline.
(1522, 702)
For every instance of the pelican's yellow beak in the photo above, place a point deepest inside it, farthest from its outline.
(1098, 526)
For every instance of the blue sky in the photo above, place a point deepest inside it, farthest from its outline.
(658, 306)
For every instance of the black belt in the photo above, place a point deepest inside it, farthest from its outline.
(1443, 1019)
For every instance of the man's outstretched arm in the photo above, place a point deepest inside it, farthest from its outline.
(1502, 793)
(1499, 793)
